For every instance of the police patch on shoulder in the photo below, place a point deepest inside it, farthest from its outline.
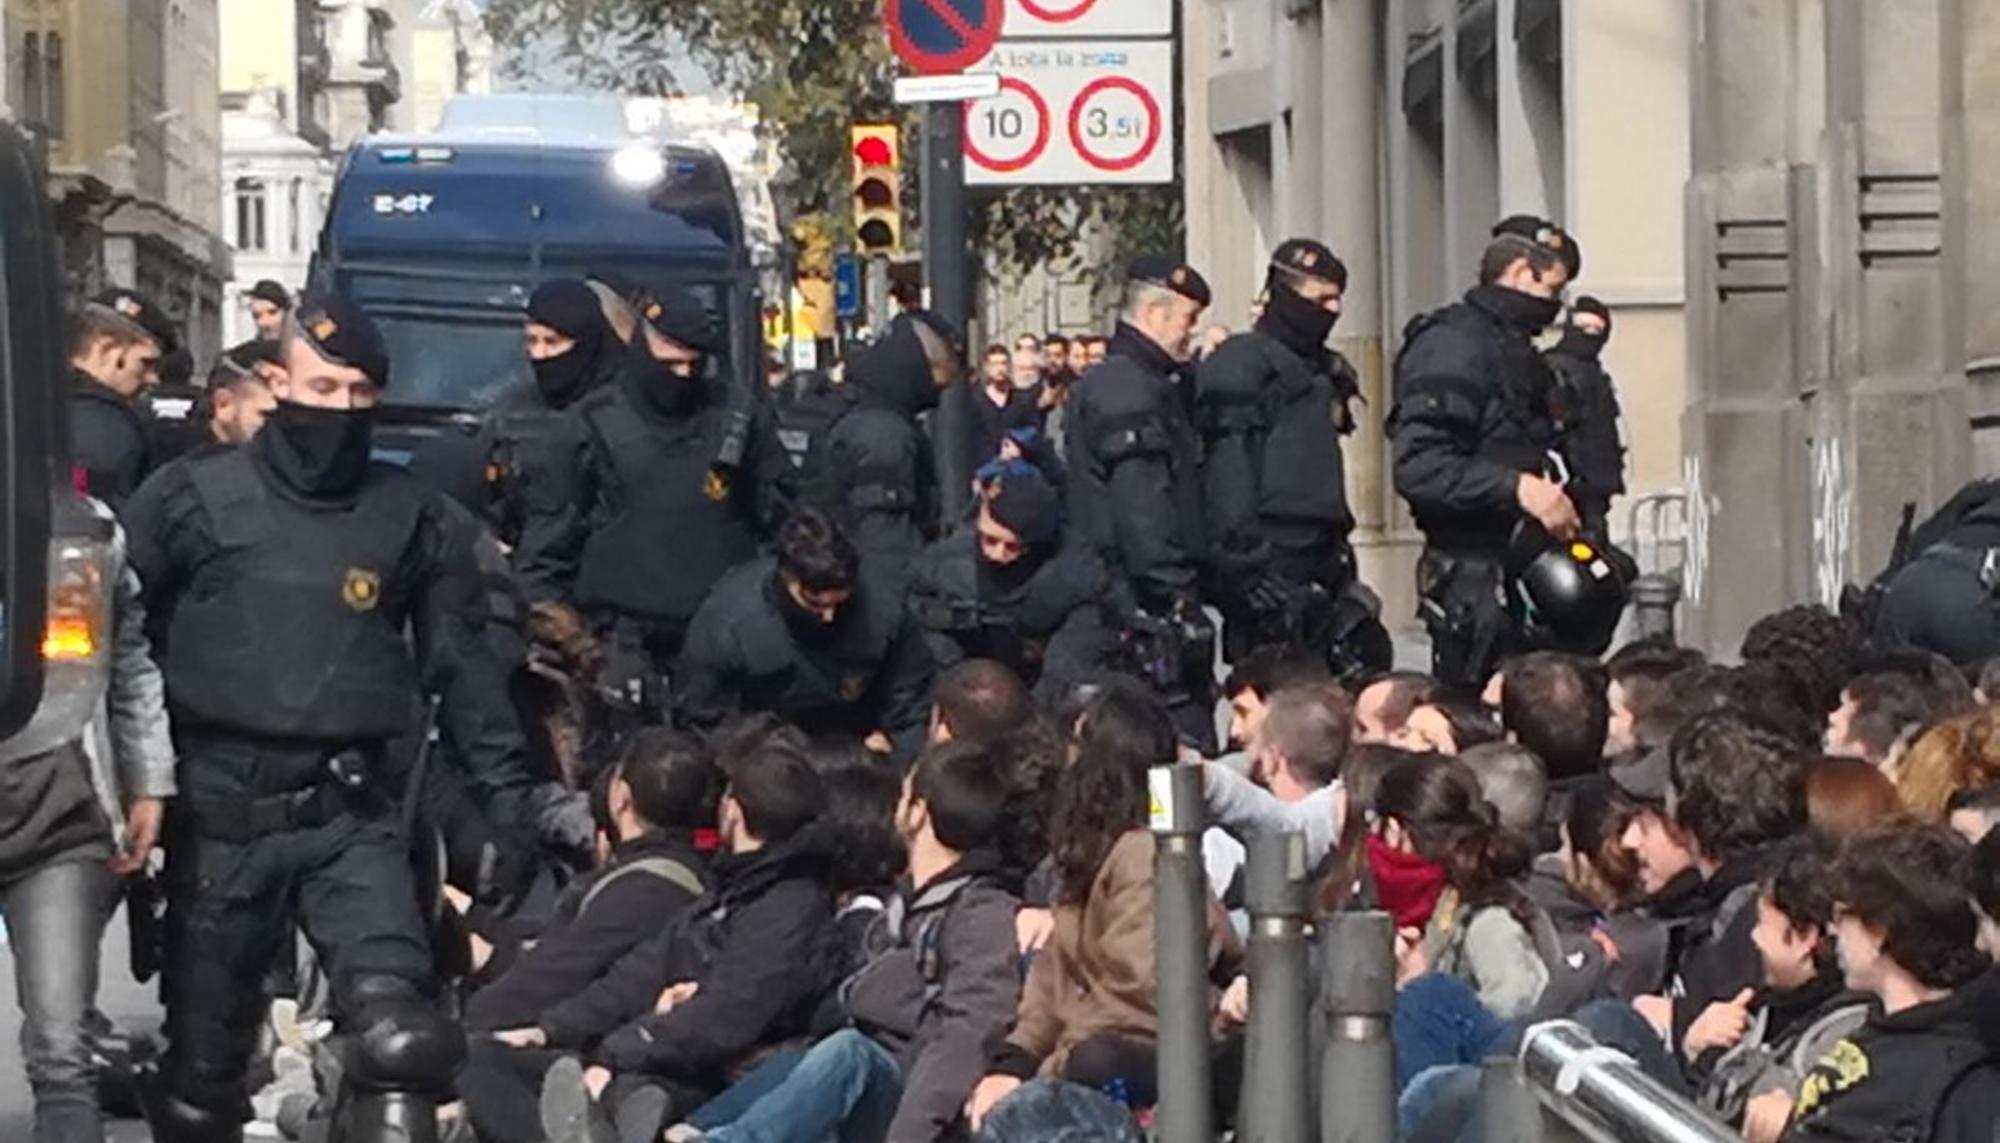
(716, 487)
(362, 589)
(853, 687)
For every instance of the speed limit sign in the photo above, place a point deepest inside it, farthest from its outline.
(1074, 113)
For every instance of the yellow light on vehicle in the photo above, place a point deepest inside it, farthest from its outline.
(69, 638)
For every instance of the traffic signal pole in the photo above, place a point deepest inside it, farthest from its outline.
(948, 274)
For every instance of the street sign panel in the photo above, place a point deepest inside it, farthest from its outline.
(1069, 19)
(1074, 113)
(946, 88)
(936, 37)
(846, 286)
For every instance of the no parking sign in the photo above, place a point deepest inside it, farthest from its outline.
(1082, 112)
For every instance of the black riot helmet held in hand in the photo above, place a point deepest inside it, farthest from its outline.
(1570, 593)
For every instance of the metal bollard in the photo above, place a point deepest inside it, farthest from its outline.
(1180, 955)
(1277, 1106)
(1654, 597)
(1358, 1077)
(1508, 1108)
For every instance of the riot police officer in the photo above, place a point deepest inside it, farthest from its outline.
(310, 598)
(633, 521)
(1941, 592)
(571, 351)
(1274, 403)
(813, 634)
(1587, 410)
(1134, 460)
(1009, 588)
(1472, 432)
(872, 466)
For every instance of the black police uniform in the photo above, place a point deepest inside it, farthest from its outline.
(633, 522)
(1472, 413)
(1274, 403)
(1946, 598)
(751, 649)
(312, 597)
(872, 467)
(790, 419)
(513, 431)
(1135, 493)
(1586, 406)
(1040, 615)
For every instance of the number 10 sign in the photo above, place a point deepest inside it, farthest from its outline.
(1073, 113)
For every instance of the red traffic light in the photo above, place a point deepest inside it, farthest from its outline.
(874, 151)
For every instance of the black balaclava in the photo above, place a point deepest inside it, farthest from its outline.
(1027, 506)
(571, 308)
(319, 453)
(657, 389)
(1296, 322)
(1577, 343)
(1525, 312)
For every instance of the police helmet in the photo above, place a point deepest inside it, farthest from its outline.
(1570, 597)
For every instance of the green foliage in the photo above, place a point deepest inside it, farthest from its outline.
(1043, 226)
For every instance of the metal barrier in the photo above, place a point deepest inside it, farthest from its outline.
(1596, 1092)
(1657, 590)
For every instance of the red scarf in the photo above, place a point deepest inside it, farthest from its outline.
(1407, 885)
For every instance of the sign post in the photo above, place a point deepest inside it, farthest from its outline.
(1074, 113)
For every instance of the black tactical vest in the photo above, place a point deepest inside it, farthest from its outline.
(668, 525)
(295, 627)
(1303, 475)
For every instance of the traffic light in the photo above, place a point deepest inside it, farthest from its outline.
(878, 188)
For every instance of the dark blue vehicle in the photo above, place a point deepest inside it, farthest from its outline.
(442, 238)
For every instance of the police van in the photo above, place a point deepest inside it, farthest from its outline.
(441, 238)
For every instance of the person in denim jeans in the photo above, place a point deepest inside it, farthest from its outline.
(81, 795)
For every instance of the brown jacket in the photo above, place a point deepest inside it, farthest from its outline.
(1095, 976)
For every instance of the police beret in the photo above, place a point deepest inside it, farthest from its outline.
(1545, 233)
(137, 307)
(339, 331)
(680, 317)
(1304, 256)
(1171, 274)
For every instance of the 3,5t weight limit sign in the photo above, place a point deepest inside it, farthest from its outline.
(1074, 113)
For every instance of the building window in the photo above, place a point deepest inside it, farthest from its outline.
(250, 207)
(31, 78)
(292, 220)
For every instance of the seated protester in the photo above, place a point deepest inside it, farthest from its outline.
(1960, 753)
(741, 968)
(857, 822)
(1986, 891)
(1011, 589)
(806, 635)
(1264, 672)
(1736, 787)
(941, 981)
(1383, 705)
(1640, 682)
(1810, 652)
(1847, 796)
(1875, 714)
(1294, 783)
(1088, 1012)
(977, 702)
(1446, 725)
(657, 796)
(1768, 1038)
(1558, 706)
(1974, 813)
(1922, 1068)
(1513, 782)
(1589, 887)
(1447, 873)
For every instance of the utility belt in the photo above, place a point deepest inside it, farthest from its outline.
(347, 783)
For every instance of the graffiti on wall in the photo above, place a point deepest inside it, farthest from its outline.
(1832, 518)
(1700, 511)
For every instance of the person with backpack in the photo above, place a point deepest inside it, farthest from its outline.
(942, 979)
(656, 798)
